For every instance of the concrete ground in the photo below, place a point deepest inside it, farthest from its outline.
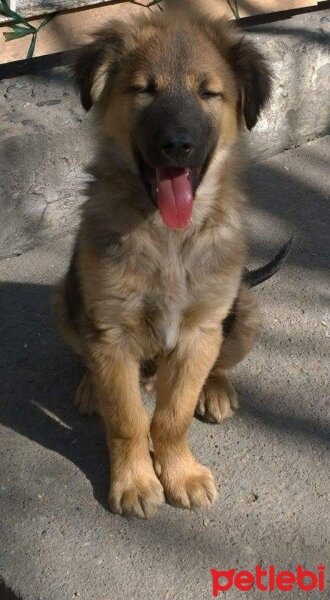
(271, 461)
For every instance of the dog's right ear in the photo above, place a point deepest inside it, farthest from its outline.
(98, 61)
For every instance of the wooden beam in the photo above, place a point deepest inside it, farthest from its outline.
(71, 28)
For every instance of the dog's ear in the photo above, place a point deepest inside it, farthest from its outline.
(254, 78)
(97, 62)
(249, 65)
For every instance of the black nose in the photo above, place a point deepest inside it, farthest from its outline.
(176, 144)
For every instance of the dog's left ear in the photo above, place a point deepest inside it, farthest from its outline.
(254, 78)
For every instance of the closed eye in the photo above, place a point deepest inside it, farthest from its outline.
(209, 94)
(149, 88)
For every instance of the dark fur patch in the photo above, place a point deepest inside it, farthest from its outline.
(254, 78)
(105, 49)
(72, 289)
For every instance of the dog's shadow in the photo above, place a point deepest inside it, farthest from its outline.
(39, 375)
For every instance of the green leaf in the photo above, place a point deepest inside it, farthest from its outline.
(20, 28)
(234, 8)
(32, 46)
(13, 35)
(47, 20)
(4, 9)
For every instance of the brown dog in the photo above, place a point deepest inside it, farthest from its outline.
(156, 273)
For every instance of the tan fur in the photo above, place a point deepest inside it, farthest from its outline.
(145, 292)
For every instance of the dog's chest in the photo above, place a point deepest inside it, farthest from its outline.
(167, 301)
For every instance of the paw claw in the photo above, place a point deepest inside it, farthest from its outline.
(217, 402)
(136, 495)
(190, 486)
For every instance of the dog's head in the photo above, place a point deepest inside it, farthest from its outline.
(172, 90)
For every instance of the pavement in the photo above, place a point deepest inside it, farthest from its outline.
(271, 461)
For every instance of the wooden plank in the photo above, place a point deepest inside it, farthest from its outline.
(248, 8)
(64, 32)
(36, 8)
(245, 7)
(69, 29)
(54, 5)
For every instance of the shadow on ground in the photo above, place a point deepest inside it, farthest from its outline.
(39, 374)
(39, 378)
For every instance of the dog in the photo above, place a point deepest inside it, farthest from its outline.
(157, 280)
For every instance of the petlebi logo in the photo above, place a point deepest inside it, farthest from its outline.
(268, 580)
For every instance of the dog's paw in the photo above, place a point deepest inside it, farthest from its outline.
(187, 484)
(218, 401)
(136, 491)
(85, 399)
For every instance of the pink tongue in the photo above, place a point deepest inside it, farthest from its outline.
(174, 197)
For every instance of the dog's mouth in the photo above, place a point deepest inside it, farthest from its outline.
(172, 189)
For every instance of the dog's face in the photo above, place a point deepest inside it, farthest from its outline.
(172, 92)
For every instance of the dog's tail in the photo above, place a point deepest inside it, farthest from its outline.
(253, 278)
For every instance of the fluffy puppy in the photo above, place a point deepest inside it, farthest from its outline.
(156, 276)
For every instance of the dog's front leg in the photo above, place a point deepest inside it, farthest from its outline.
(180, 379)
(134, 487)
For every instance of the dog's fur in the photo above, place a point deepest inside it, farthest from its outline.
(138, 292)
